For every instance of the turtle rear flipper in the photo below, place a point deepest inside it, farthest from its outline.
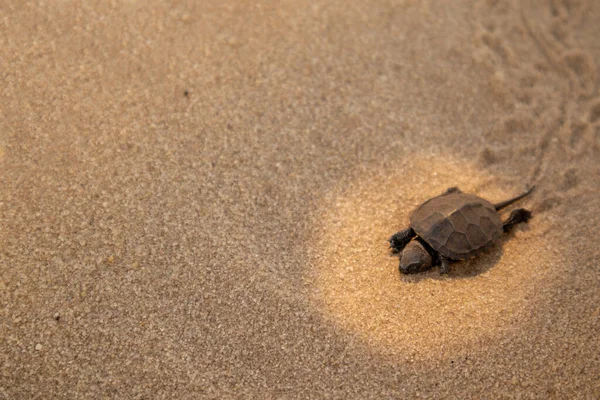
(400, 239)
(517, 216)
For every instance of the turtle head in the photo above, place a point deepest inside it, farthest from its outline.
(415, 258)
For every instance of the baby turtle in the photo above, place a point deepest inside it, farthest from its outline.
(451, 227)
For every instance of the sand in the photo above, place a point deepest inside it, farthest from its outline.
(195, 198)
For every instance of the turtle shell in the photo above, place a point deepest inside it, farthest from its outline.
(457, 225)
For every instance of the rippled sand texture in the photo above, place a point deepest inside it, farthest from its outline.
(195, 198)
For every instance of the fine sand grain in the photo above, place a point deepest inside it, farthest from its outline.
(195, 198)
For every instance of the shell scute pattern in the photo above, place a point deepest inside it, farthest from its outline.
(488, 226)
(457, 225)
(476, 236)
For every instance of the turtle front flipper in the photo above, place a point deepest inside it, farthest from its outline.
(444, 265)
(517, 216)
(453, 189)
(400, 239)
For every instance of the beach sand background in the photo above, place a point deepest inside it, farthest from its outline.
(195, 198)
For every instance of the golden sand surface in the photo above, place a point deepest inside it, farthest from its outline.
(195, 198)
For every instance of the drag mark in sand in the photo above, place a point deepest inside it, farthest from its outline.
(548, 88)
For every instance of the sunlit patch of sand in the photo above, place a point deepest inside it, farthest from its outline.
(360, 288)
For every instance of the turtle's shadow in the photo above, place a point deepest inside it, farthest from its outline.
(467, 268)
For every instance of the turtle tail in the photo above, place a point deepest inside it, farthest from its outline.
(503, 204)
